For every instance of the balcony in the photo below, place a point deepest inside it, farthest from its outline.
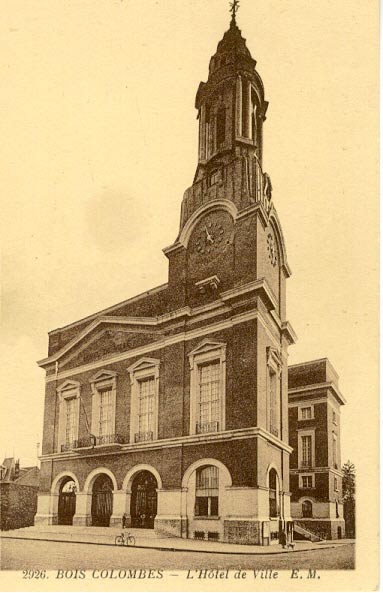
(305, 463)
(92, 441)
(205, 427)
(68, 446)
(142, 437)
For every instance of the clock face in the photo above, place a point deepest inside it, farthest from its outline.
(213, 234)
(272, 249)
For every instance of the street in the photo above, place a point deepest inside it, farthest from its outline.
(18, 554)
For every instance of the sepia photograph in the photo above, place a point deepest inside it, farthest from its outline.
(189, 295)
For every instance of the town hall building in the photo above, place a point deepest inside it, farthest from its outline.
(171, 409)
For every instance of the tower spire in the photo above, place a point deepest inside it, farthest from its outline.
(234, 6)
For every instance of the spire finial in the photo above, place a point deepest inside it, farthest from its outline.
(234, 6)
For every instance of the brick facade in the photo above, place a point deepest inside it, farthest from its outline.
(314, 385)
(189, 378)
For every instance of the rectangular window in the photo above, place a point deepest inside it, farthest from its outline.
(106, 412)
(306, 451)
(334, 451)
(213, 179)
(307, 481)
(146, 407)
(334, 417)
(306, 413)
(336, 484)
(70, 421)
(209, 389)
(273, 399)
(206, 501)
(221, 126)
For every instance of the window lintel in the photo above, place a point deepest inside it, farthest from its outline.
(274, 359)
(68, 387)
(207, 350)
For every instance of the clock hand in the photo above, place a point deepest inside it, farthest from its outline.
(208, 236)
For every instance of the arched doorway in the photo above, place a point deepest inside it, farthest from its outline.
(273, 494)
(307, 509)
(102, 501)
(67, 502)
(143, 503)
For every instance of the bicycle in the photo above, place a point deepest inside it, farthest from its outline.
(125, 540)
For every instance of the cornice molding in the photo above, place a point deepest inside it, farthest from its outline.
(168, 341)
(227, 435)
(316, 387)
(220, 306)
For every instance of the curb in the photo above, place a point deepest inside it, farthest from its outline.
(173, 549)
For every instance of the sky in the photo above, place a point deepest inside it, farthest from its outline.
(99, 143)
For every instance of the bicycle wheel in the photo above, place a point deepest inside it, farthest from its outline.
(131, 540)
(119, 541)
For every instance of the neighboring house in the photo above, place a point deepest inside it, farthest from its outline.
(18, 494)
(315, 463)
(171, 408)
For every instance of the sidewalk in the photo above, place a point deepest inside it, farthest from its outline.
(146, 538)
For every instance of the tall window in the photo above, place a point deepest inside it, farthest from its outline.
(334, 451)
(306, 451)
(306, 413)
(106, 412)
(273, 428)
(273, 493)
(144, 381)
(307, 509)
(221, 125)
(70, 421)
(207, 387)
(207, 484)
(273, 395)
(146, 406)
(103, 428)
(209, 397)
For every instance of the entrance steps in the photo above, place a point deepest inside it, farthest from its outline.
(304, 533)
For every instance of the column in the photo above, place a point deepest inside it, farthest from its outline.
(46, 509)
(249, 111)
(121, 506)
(238, 107)
(202, 138)
(168, 521)
(83, 514)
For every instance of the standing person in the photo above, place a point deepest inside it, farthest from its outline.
(283, 539)
(124, 518)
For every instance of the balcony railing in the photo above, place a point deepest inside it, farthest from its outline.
(91, 441)
(68, 446)
(204, 427)
(141, 437)
(306, 463)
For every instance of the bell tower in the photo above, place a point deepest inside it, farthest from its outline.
(231, 104)
(229, 230)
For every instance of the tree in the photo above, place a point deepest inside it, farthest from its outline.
(348, 487)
